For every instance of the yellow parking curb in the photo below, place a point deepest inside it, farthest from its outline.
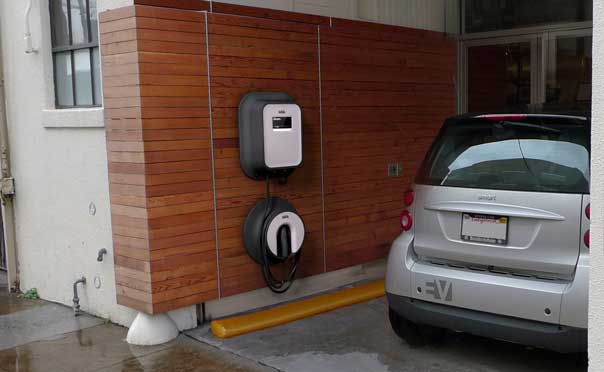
(237, 325)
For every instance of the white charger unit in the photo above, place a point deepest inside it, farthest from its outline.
(270, 135)
(282, 135)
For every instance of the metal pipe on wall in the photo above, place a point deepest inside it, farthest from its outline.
(28, 42)
(7, 188)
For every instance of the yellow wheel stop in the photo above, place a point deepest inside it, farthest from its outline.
(237, 325)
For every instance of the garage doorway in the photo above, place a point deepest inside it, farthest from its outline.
(501, 73)
(549, 67)
(518, 52)
(568, 68)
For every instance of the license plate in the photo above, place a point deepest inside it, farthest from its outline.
(484, 228)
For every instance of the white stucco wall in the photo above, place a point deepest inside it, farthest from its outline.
(425, 14)
(60, 167)
(103, 5)
(59, 163)
(596, 289)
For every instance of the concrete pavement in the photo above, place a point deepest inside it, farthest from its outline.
(37, 336)
(359, 338)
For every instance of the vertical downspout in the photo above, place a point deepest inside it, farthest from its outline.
(7, 198)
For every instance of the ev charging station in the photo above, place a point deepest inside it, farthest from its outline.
(270, 143)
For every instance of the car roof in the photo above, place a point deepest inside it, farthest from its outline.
(537, 110)
(508, 115)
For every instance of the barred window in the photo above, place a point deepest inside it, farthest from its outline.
(75, 49)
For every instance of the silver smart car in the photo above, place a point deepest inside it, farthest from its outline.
(495, 237)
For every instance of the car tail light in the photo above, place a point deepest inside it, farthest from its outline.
(409, 198)
(503, 117)
(587, 212)
(406, 221)
(586, 238)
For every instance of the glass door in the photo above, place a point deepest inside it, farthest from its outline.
(549, 67)
(568, 70)
(499, 76)
(500, 73)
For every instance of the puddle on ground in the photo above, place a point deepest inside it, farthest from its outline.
(317, 361)
(11, 303)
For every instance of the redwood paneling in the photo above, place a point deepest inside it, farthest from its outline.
(251, 54)
(383, 92)
(386, 91)
(156, 100)
(177, 4)
(279, 15)
(125, 151)
(178, 178)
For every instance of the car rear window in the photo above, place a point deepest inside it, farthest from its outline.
(523, 154)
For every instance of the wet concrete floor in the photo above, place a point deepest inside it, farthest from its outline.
(37, 336)
(42, 337)
(24, 321)
(9, 302)
(359, 338)
(103, 348)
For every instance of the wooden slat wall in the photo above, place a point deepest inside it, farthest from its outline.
(251, 54)
(155, 74)
(278, 15)
(178, 161)
(199, 5)
(385, 91)
(124, 125)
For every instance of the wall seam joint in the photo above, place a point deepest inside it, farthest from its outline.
(207, 36)
(321, 140)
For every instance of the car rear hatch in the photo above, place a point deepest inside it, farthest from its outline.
(504, 193)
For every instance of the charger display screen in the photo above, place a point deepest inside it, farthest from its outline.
(282, 122)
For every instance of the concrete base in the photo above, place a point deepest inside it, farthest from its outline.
(301, 288)
(149, 330)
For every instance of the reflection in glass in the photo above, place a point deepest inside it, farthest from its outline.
(569, 72)
(94, 21)
(551, 156)
(79, 22)
(63, 79)
(499, 76)
(97, 76)
(491, 15)
(83, 77)
(75, 52)
(60, 23)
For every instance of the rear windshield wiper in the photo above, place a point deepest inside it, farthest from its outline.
(518, 124)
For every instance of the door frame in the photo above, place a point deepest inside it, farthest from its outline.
(548, 37)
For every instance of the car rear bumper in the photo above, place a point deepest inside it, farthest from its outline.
(557, 304)
(544, 335)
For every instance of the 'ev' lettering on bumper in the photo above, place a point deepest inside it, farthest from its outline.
(440, 289)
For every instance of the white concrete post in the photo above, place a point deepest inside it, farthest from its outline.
(596, 288)
(148, 330)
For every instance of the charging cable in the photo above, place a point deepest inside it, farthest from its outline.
(275, 285)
